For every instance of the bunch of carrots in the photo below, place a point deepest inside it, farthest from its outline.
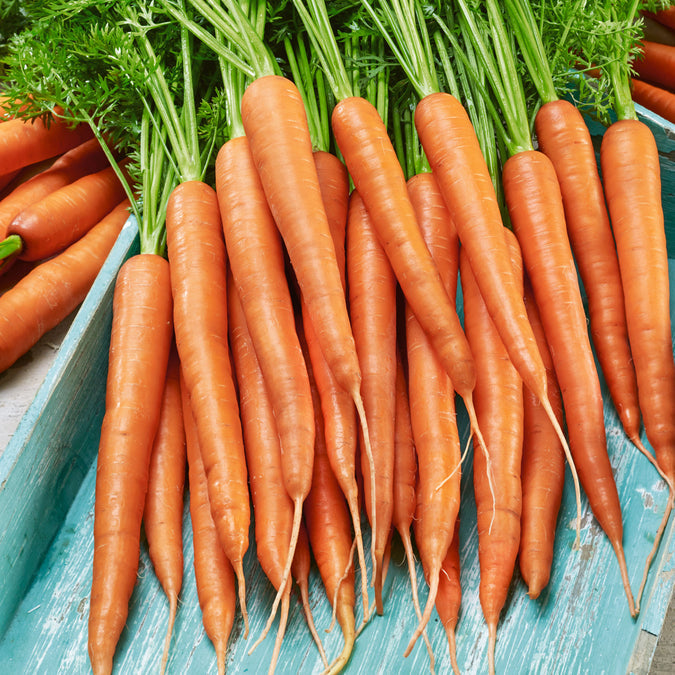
(301, 243)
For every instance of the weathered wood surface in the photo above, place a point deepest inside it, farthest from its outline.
(579, 625)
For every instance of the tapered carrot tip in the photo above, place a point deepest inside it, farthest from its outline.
(220, 655)
(536, 582)
(173, 606)
(241, 581)
(618, 550)
(342, 660)
(492, 643)
(452, 648)
(379, 583)
(101, 664)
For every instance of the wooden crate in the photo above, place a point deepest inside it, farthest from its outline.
(47, 474)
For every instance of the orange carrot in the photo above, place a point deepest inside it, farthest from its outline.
(24, 142)
(542, 472)
(432, 402)
(329, 529)
(7, 178)
(86, 158)
(535, 206)
(213, 572)
(658, 100)
(136, 374)
(656, 64)
(449, 598)
(256, 259)
(666, 17)
(64, 215)
(499, 408)
(405, 485)
(372, 307)
(564, 137)
(634, 201)
(198, 281)
(163, 513)
(339, 414)
(273, 508)
(53, 289)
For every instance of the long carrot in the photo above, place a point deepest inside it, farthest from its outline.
(141, 317)
(64, 215)
(499, 407)
(272, 506)
(432, 402)
(88, 157)
(543, 471)
(163, 512)
(213, 572)
(53, 289)
(198, 281)
(372, 307)
(655, 63)
(634, 201)
(24, 142)
(666, 17)
(658, 100)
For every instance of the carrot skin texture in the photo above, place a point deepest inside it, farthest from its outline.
(53, 289)
(141, 317)
(634, 199)
(564, 137)
(542, 473)
(372, 306)
(88, 157)
(658, 100)
(64, 215)
(377, 174)
(499, 408)
(214, 575)
(460, 170)
(25, 142)
(163, 512)
(535, 206)
(656, 64)
(276, 125)
(199, 285)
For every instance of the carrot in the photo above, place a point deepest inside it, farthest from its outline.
(563, 136)
(63, 216)
(198, 281)
(449, 596)
(85, 158)
(7, 178)
(329, 529)
(634, 200)
(658, 100)
(213, 572)
(432, 402)
(163, 512)
(372, 307)
(24, 142)
(405, 485)
(542, 472)
(499, 408)
(339, 414)
(666, 17)
(655, 63)
(136, 374)
(273, 508)
(53, 289)
(257, 262)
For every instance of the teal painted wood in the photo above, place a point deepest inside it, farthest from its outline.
(579, 625)
(53, 447)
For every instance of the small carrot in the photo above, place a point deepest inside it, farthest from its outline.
(213, 572)
(543, 470)
(64, 215)
(141, 317)
(372, 307)
(53, 289)
(499, 408)
(198, 281)
(163, 513)
(24, 142)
